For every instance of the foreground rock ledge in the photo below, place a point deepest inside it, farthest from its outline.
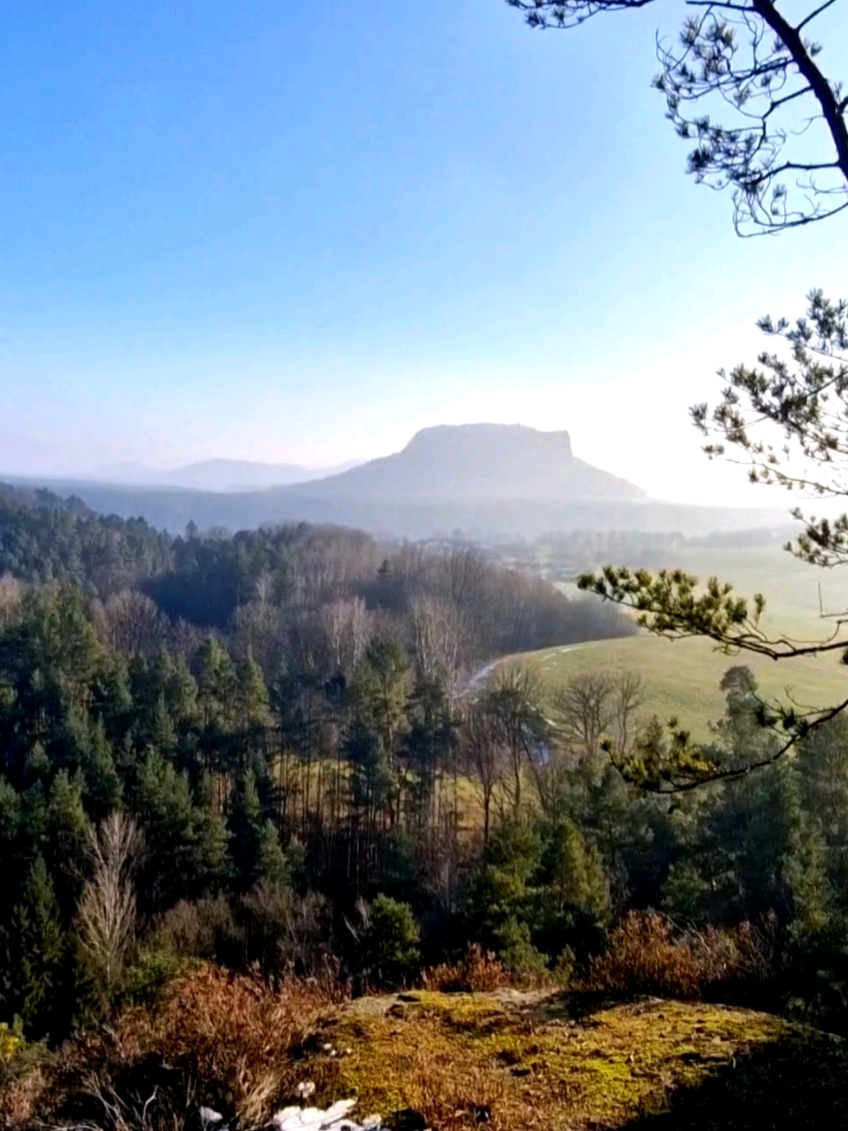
(514, 1061)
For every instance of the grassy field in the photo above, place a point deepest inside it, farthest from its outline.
(682, 677)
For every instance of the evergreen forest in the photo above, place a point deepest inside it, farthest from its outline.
(272, 751)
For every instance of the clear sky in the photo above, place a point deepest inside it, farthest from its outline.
(301, 232)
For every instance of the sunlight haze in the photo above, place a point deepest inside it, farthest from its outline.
(278, 233)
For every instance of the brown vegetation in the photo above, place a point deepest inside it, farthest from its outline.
(479, 971)
(215, 1038)
(451, 1061)
(647, 954)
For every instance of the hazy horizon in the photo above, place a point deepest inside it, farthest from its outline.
(131, 473)
(300, 237)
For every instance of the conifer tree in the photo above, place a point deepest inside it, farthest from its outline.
(68, 832)
(254, 842)
(183, 850)
(212, 863)
(39, 949)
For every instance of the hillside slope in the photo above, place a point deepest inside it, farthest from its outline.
(481, 461)
(171, 508)
(218, 475)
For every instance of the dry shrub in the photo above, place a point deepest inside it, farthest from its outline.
(18, 1102)
(287, 934)
(647, 954)
(23, 1067)
(455, 1100)
(479, 971)
(215, 1038)
(757, 946)
(202, 928)
(232, 1031)
(20, 1092)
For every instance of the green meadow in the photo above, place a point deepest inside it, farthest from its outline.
(681, 677)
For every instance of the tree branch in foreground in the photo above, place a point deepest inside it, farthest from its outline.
(748, 63)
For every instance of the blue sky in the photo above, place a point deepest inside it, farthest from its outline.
(301, 232)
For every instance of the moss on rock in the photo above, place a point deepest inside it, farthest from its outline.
(515, 1061)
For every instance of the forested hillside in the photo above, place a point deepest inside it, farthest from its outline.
(45, 538)
(420, 517)
(262, 750)
(280, 705)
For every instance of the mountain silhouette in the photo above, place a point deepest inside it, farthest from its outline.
(480, 461)
(218, 475)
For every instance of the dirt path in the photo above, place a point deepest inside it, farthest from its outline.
(478, 681)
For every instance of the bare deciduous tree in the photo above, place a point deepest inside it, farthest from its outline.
(584, 709)
(484, 756)
(106, 915)
(348, 627)
(437, 631)
(260, 631)
(11, 593)
(134, 624)
(463, 576)
(629, 697)
(513, 704)
(593, 704)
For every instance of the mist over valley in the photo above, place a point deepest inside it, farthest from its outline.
(488, 480)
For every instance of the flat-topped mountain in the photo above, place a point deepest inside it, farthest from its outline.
(489, 480)
(480, 461)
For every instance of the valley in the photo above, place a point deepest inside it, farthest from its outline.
(317, 765)
(681, 678)
(491, 483)
(410, 718)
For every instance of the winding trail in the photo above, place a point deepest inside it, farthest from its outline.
(478, 681)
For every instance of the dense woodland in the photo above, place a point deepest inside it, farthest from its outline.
(267, 749)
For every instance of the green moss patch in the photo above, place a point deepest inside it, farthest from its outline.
(510, 1061)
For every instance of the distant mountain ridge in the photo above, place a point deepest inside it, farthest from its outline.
(218, 475)
(497, 462)
(489, 480)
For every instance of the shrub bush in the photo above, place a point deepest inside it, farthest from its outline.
(202, 929)
(647, 954)
(389, 953)
(149, 976)
(518, 954)
(214, 1038)
(21, 1076)
(479, 971)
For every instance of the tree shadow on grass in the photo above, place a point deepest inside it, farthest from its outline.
(794, 1084)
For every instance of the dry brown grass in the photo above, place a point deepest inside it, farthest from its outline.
(479, 971)
(215, 1038)
(454, 1100)
(647, 954)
